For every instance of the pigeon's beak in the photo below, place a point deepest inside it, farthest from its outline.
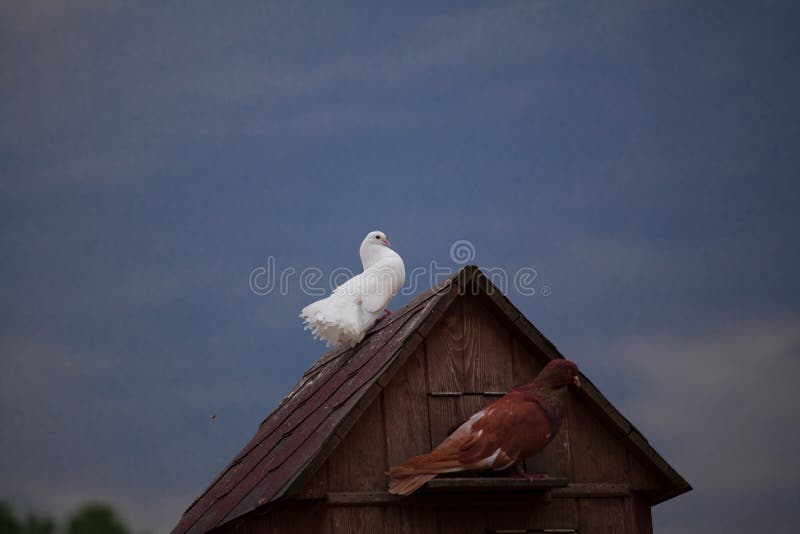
(386, 242)
(576, 381)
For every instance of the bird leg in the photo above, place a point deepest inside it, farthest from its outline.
(382, 317)
(527, 476)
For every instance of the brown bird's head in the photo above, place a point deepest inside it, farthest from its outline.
(557, 375)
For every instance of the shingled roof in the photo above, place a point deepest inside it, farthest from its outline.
(297, 438)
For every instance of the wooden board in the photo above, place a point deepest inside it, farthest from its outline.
(285, 520)
(641, 521)
(487, 349)
(405, 402)
(554, 514)
(467, 520)
(317, 487)
(445, 413)
(355, 520)
(358, 463)
(410, 520)
(596, 455)
(602, 516)
(444, 348)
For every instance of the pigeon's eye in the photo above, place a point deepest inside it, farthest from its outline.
(377, 237)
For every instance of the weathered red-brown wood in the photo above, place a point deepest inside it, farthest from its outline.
(467, 520)
(357, 519)
(602, 516)
(317, 487)
(445, 413)
(596, 455)
(283, 520)
(508, 518)
(406, 420)
(639, 511)
(410, 520)
(407, 520)
(642, 479)
(445, 345)
(554, 514)
(487, 349)
(472, 404)
(358, 463)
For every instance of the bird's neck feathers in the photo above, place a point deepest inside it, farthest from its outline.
(546, 389)
(371, 254)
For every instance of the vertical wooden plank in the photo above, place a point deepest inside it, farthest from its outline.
(367, 519)
(445, 413)
(426, 520)
(487, 349)
(288, 519)
(640, 519)
(406, 421)
(358, 463)
(602, 516)
(444, 349)
(466, 520)
(317, 487)
(364, 444)
(410, 520)
(553, 514)
(508, 518)
(338, 471)
(525, 366)
(641, 478)
(356, 519)
(471, 404)
(597, 456)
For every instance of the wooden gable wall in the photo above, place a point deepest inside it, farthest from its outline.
(466, 361)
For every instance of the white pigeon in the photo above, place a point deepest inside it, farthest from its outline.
(343, 318)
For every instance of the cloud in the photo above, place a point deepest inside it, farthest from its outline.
(723, 403)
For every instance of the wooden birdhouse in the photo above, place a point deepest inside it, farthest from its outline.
(317, 463)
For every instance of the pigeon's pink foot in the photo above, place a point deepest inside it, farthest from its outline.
(382, 317)
(528, 476)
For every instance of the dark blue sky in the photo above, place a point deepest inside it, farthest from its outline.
(642, 157)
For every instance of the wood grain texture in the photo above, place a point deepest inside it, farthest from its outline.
(410, 520)
(406, 423)
(467, 520)
(358, 463)
(508, 518)
(641, 479)
(487, 348)
(641, 521)
(445, 413)
(444, 348)
(317, 487)
(602, 516)
(357, 520)
(554, 514)
(596, 455)
(283, 520)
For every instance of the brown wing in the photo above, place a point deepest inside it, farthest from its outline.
(501, 434)
(511, 430)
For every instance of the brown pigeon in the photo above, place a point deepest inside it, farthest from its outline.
(514, 427)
